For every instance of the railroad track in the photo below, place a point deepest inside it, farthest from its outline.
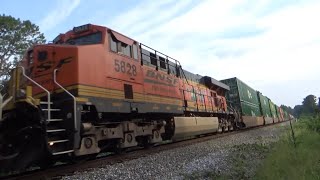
(58, 171)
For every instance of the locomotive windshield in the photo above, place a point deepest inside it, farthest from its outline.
(94, 38)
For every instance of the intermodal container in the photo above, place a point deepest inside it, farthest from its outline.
(264, 105)
(273, 111)
(242, 97)
(280, 114)
(265, 108)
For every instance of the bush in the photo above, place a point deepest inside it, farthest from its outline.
(313, 124)
(295, 162)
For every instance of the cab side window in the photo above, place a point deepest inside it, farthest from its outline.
(135, 51)
(123, 48)
(113, 44)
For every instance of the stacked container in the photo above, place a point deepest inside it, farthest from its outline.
(265, 108)
(280, 114)
(245, 100)
(273, 111)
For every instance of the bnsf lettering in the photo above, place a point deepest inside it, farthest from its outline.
(64, 61)
(44, 66)
(162, 77)
(48, 65)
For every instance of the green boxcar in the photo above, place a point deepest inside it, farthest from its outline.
(273, 109)
(277, 110)
(264, 105)
(278, 113)
(242, 97)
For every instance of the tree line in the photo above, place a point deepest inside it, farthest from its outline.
(309, 107)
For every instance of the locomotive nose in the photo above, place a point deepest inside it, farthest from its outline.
(45, 58)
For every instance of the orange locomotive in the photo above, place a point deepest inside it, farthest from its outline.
(94, 89)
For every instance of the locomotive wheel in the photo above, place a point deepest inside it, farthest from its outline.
(22, 141)
(145, 142)
(23, 149)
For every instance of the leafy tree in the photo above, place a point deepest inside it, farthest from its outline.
(16, 36)
(287, 109)
(297, 110)
(308, 107)
(309, 104)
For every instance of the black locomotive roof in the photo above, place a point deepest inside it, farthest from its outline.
(205, 80)
(209, 81)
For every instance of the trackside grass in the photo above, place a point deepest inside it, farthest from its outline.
(286, 161)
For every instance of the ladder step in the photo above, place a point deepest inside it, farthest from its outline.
(62, 152)
(54, 120)
(55, 130)
(52, 109)
(57, 141)
(45, 102)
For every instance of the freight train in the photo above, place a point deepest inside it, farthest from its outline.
(93, 89)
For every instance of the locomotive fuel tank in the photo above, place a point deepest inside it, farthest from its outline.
(193, 126)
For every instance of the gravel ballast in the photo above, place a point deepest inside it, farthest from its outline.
(202, 160)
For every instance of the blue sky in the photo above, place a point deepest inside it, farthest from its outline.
(273, 45)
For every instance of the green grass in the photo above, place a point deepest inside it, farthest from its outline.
(289, 162)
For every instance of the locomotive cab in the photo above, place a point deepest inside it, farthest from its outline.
(38, 119)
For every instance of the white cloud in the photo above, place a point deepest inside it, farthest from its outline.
(152, 16)
(281, 45)
(57, 15)
(143, 11)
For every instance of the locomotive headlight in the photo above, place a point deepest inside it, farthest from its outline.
(164, 123)
(22, 92)
(51, 143)
(69, 115)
